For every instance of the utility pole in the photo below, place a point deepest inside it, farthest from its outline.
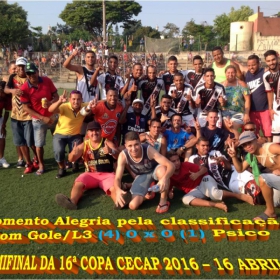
(104, 23)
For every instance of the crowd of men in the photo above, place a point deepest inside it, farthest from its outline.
(211, 132)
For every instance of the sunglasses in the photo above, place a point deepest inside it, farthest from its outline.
(30, 73)
(249, 129)
(247, 144)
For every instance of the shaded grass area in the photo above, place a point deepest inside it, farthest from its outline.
(32, 196)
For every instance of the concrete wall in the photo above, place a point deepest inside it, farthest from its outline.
(264, 43)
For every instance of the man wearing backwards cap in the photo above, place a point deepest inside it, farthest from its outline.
(97, 153)
(133, 121)
(267, 155)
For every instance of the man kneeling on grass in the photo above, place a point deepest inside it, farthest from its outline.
(198, 185)
(97, 153)
(148, 165)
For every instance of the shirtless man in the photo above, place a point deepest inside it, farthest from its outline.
(267, 155)
(220, 63)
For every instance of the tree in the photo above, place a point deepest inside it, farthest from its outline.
(88, 14)
(171, 30)
(222, 22)
(202, 33)
(13, 24)
(143, 31)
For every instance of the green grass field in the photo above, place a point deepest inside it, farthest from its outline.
(32, 196)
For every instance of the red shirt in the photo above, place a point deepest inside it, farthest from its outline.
(182, 180)
(107, 118)
(33, 95)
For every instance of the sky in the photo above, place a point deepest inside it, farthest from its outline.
(154, 13)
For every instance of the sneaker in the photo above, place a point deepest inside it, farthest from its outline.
(68, 165)
(61, 173)
(4, 163)
(21, 163)
(29, 169)
(75, 167)
(65, 202)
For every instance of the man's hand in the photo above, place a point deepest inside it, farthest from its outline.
(194, 175)
(106, 149)
(119, 197)
(153, 101)
(150, 140)
(92, 104)
(164, 118)
(231, 150)
(272, 113)
(63, 98)
(17, 92)
(222, 101)
(133, 87)
(47, 120)
(163, 184)
(276, 172)
(198, 100)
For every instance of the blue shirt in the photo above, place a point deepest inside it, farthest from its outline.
(176, 140)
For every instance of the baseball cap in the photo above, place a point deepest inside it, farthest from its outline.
(93, 125)
(138, 101)
(246, 136)
(21, 61)
(31, 68)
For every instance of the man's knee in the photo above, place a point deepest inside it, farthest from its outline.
(160, 171)
(135, 202)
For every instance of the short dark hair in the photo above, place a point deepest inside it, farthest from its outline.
(112, 89)
(253, 56)
(179, 74)
(12, 63)
(155, 120)
(113, 57)
(209, 69)
(270, 52)
(213, 111)
(171, 154)
(217, 48)
(197, 57)
(172, 58)
(131, 136)
(230, 67)
(250, 122)
(137, 64)
(166, 96)
(202, 139)
(176, 115)
(89, 51)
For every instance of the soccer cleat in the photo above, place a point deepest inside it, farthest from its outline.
(4, 163)
(35, 162)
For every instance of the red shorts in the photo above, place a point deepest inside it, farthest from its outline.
(100, 180)
(262, 120)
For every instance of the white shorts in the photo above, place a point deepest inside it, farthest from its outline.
(276, 122)
(207, 189)
(239, 180)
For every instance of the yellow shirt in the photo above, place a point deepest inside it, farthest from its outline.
(69, 122)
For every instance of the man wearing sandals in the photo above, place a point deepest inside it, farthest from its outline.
(149, 165)
(97, 153)
(267, 155)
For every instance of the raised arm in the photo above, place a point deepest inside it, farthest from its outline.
(76, 68)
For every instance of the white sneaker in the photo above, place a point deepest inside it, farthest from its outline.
(4, 163)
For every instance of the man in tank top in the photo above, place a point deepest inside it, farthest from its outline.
(98, 154)
(220, 63)
(149, 165)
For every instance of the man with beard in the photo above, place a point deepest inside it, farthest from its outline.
(220, 63)
(272, 87)
(149, 86)
(110, 79)
(107, 113)
(259, 113)
(84, 74)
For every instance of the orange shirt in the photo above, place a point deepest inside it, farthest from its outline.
(107, 118)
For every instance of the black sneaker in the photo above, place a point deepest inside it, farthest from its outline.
(61, 173)
(75, 167)
(65, 202)
(21, 163)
